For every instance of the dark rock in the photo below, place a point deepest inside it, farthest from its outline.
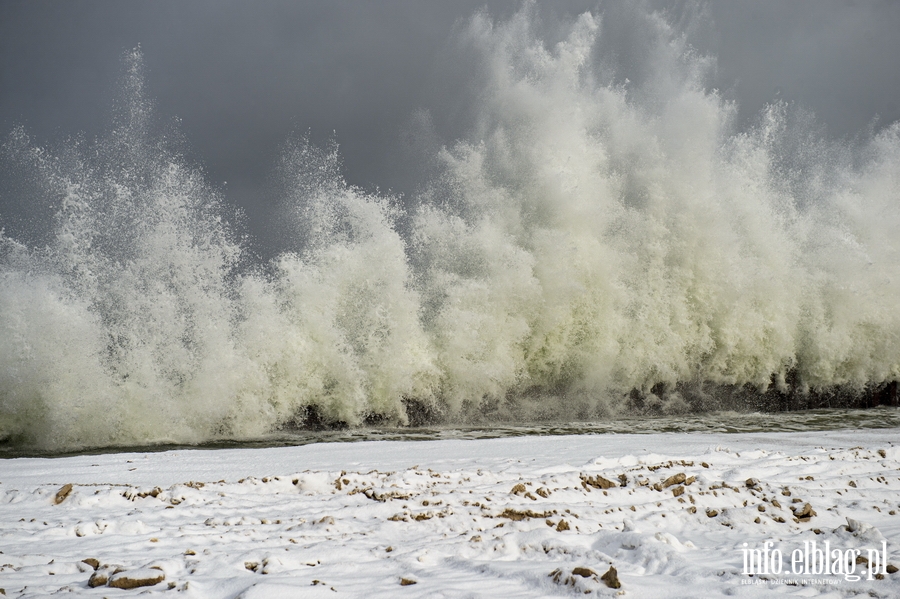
(583, 572)
(137, 578)
(611, 578)
(63, 493)
(93, 563)
(597, 482)
(804, 513)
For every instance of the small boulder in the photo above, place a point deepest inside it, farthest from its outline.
(62, 493)
(597, 482)
(99, 578)
(133, 579)
(804, 513)
(92, 562)
(583, 572)
(611, 578)
(675, 479)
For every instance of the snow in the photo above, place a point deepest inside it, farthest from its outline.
(509, 517)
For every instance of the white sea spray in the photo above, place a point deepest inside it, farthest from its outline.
(590, 236)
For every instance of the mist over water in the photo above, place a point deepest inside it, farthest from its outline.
(604, 238)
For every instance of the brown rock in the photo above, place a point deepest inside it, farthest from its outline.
(679, 490)
(93, 563)
(563, 525)
(675, 479)
(98, 579)
(518, 489)
(405, 582)
(63, 493)
(597, 482)
(804, 513)
(583, 572)
(891, 569)
(137, 578)
(522, 514)
(712, 513)
(611, 578)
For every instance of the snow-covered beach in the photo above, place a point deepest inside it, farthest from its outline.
(676, 515)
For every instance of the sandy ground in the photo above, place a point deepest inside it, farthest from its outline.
(674, 515)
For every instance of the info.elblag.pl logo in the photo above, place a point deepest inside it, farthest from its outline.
(814, 559)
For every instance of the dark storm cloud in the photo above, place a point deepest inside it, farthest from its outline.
(243, 75)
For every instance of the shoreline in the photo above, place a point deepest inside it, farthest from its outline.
(271, 521)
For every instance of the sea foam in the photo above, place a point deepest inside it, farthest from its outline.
(591, 244)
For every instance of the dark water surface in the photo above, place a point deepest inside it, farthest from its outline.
(710, 422)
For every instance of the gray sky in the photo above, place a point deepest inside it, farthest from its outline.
(242, 75)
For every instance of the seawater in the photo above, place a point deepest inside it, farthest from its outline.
(727, 422)
(599, 241)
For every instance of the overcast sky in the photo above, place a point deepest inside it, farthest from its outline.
(242, 75)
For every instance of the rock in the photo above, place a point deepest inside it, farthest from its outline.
(597, 482)
(63, 493)
(522, 514)
(611, 578)
(583, 572)
(712, 513)
(891, 569)
(93, 563)
(563, 525)
(145, 577)
(98, 579)
(804, 513)
(752, 483)
(519, 489)
(543, 492)
(405, 582)
(675, 479)
(679, 490)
